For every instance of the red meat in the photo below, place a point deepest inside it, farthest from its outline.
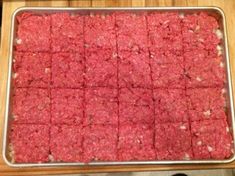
(211, 139)
(30, 143)
(101, 68)
(33, 33)
(67, 106)
(100, 143)
(206, 103)
(170, 105)
(32, 69)
(100, 32)
(132, 34)
(101, 106)
(204, 69)
(66, 143)
(168, 75)
(31, 105)
(67, 32)
(173, 141)
(135, 142)
(67, 70)
(134, 69)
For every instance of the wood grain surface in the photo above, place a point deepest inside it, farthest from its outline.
(8, 8)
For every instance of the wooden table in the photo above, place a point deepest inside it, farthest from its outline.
(9, 6)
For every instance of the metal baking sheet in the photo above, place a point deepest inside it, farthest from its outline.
(214, 11)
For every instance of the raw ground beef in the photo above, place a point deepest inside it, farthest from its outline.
(204, 69)
(32, 69)
(170, 105)
(67, 32)
(199, 32)
(132, 34)
(100, 32)
(101, 68)
(135, 106)
(33, 33)
(167, 57)
(173, 141)
(206, 103)
(101, 106)
(165, 32)
(100, 143)
(67, 106)
(67, 70)
(134, 69)
(211, 139)
(135, 142)
(66, 143)
(31, 105)
(119, 86)
(168, 75)
(30, 143)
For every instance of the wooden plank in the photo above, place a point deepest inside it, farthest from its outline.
(9, 6)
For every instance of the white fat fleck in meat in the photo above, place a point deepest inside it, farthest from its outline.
(13, 60)
(114, 55)
(47, 70)
(198, 78)
(219, 33)
(199, 143)
(197, 28)
(181, 15)
(210, 149)
(103, 16)
(221, 64)
(227, 129)
(92, 15)
(18, 41)
(207, 113)
(223, 91)
(15, 75)
(51, 158)
(186, 156)
(167, 21)
(183, 127)
(219, 50)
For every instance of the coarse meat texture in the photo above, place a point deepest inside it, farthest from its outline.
(101, 68)
(204, 69)
(136, 96)
(135, 142)
(135, 106)
(173, 141)
(200, 32)
(99, 31)
(168, 75)
(67, 106)
(33, 33)
(32, 69)
(165, 32)
(134, 69)
(66, 143)
(30, 143)
(170, 105)
(67, 70)
(31, 106)
(119, 86)
(158, 57)
(100, 143)
(67, 32)
(211, 139)
(132, 34)
(101, 106)
(206, 103)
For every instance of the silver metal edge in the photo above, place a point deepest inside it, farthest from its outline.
(126, 162)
